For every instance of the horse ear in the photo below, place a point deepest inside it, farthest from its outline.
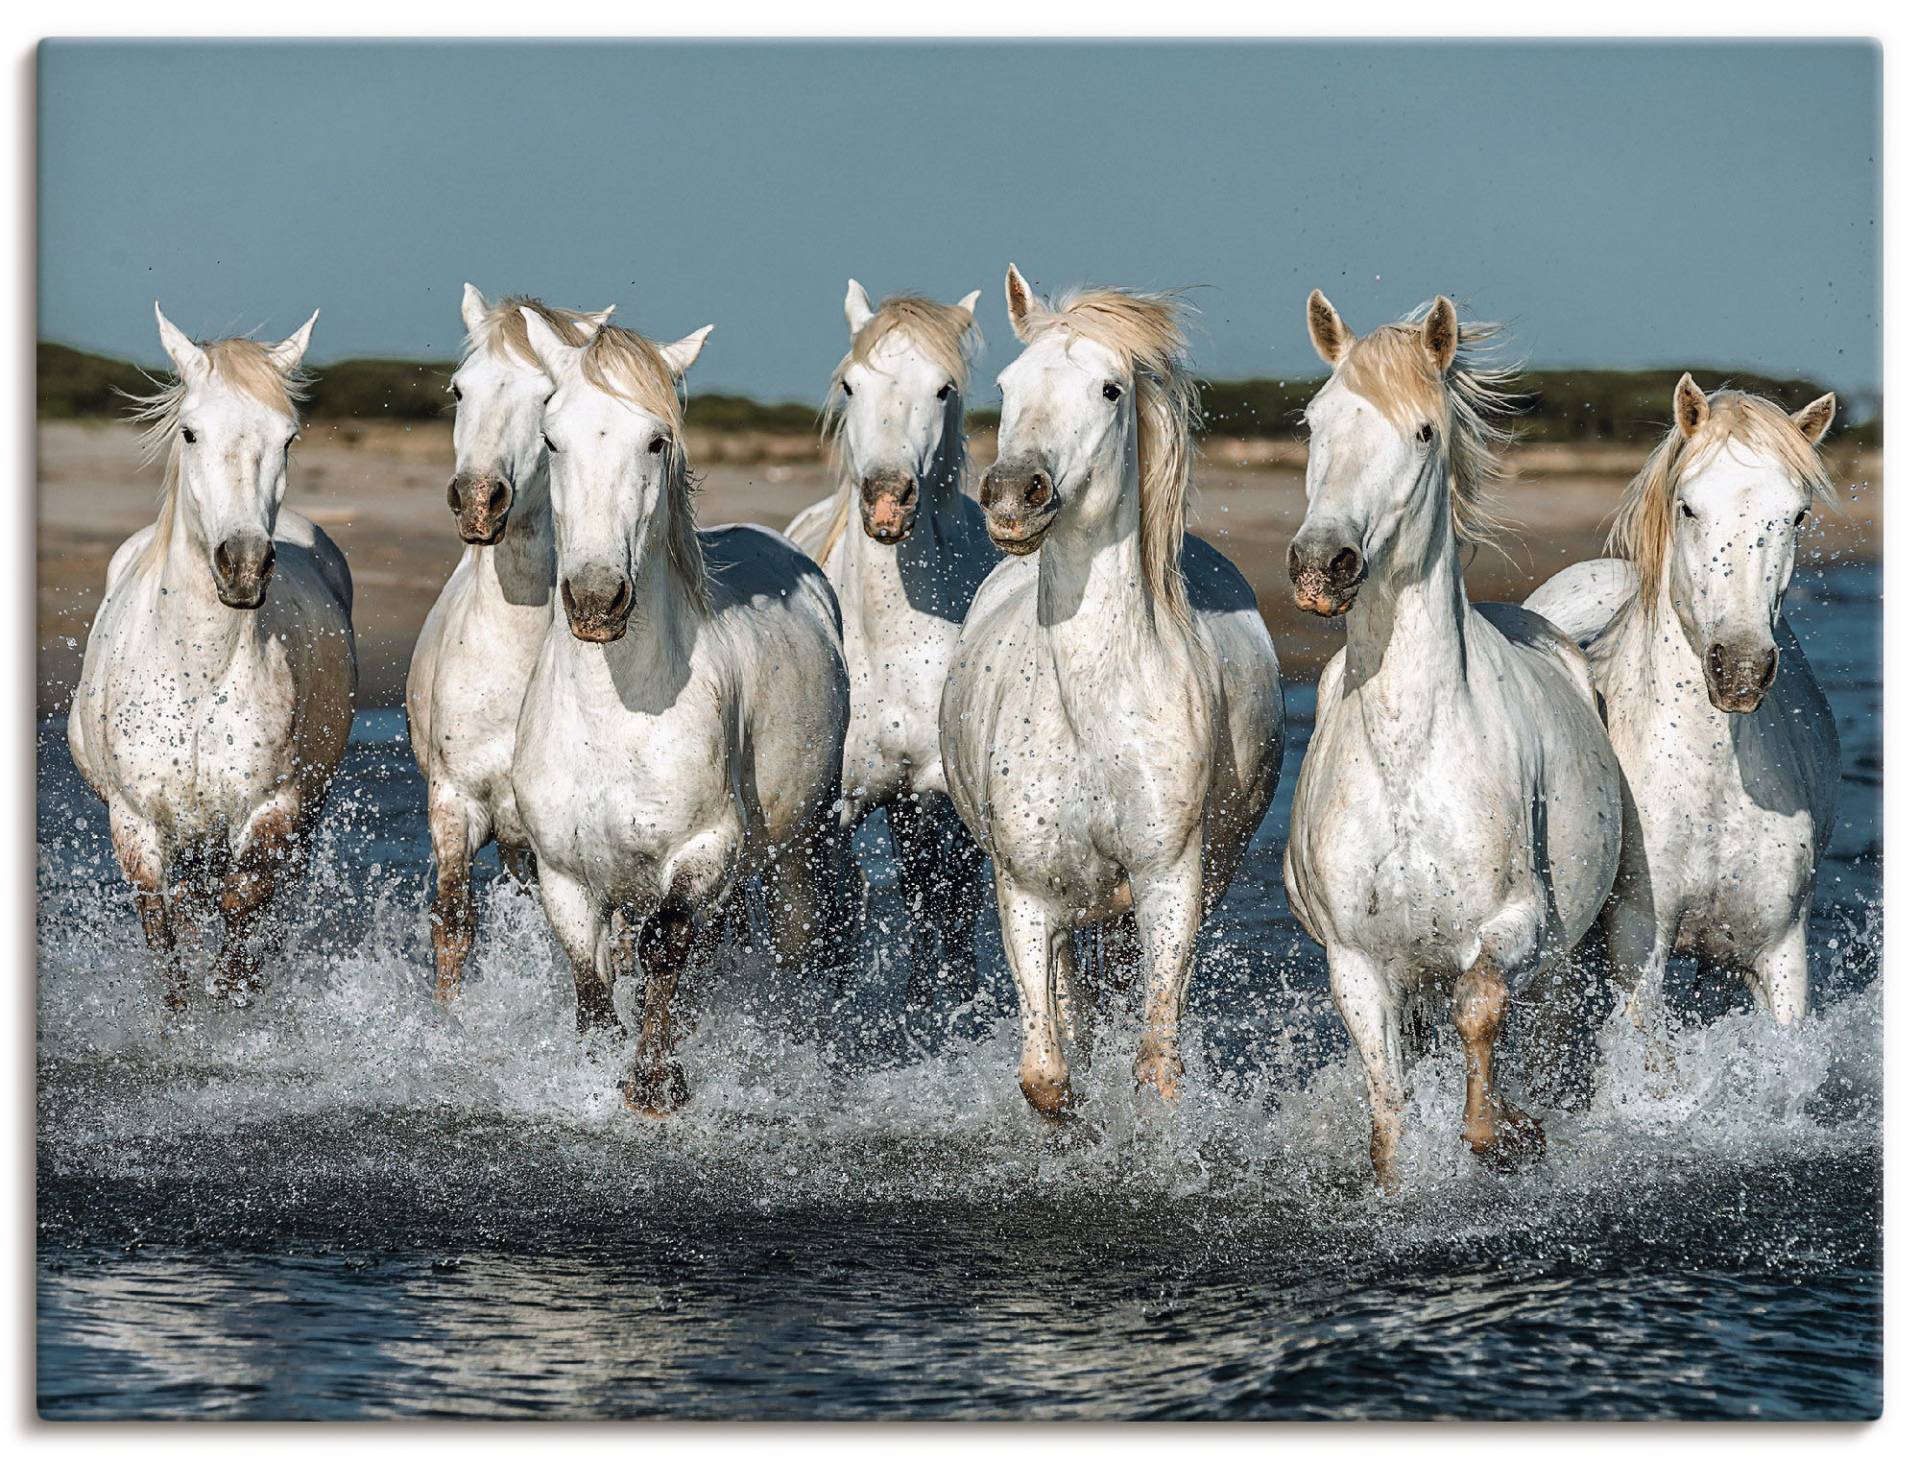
(549, 348)
(1019, 301)
(969, 301)
(473, 307)
(1690, 406)
(288, 353)
(189, 359)
(859, 309)
(1331, 337)
(1440, 333)
(588, 327)
(1817, 418)
(681, 354)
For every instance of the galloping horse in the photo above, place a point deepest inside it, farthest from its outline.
(684, 722)
(1729, 750)
(217, 690)
(905, 580)
(476, 649)
(1112, 723)
(1457, 820)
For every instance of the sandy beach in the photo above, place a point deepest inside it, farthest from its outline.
(381, 492)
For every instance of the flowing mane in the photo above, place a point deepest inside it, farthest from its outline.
(946, 334)
(1146, 331)
(1467, 403)
(502, 331)
(628, 367)
(243, 365)
(1642, 529)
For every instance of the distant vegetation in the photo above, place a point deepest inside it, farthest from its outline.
(1629, 407)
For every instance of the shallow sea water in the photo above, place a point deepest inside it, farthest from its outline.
(342, 1203)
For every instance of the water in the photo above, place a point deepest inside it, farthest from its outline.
(339, 1203)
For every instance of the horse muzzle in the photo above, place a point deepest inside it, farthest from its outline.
(1021, 502)
(597, 608)
(1738, 678)
(1326, 575)
(241, 567)
(889, 501)
(480, 502)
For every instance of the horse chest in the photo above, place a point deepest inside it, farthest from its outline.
(1407, 855)
(896, 667)
(196, 739)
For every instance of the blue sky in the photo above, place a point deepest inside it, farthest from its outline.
(1695, 204)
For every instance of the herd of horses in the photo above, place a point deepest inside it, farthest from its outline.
(647, 715)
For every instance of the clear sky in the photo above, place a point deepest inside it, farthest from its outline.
(1664, 204)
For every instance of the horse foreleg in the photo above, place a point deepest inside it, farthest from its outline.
(1371, 1012)
(1637, 949)
(137, 848)
(1492, 1130)
(940, 882)
(810, 899)
(1780, 974)
(583, 927)
(1166, 912)
(457, 828)
(1032, 940)
(656, 1085)
(269, 854)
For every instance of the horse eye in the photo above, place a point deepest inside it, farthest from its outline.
(1110, 390)
(847, 389)
(188, 436)
(1686, 511)
(456, 393)
(1425, 432)
(656, 445)
(1801, 517)
(547, 441)
(943, 392)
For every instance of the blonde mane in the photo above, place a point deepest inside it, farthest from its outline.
(1467, 403)
(628, 367)
(946, 334)
(1145, 330)
(245, 366)
(502, 330)
(1642, 529)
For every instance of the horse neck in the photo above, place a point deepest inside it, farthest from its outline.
(646, 667)
(187, 594)
(1650, 676)
(521, 563)
(1407, 630)
(881, 573)
(1097, 620)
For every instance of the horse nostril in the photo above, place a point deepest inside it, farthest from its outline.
(453, 494)
(1716, 660)
(1039, 489)
(621, 597)
(1772, 668)
(266, 563)
(566, 597)
(497, 497)
(1344, 568)
(223, 559)
(1294, 565)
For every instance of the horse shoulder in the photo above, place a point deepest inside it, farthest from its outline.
(808, 531)
(329, 561)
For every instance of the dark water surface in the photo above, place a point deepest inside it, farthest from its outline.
(340, 1203)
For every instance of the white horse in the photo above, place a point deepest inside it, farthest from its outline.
(476, 649)
(1729, 749)
(905, 580)
(217, 690)
(1112, 723)
(1457, 820)
(683, 725)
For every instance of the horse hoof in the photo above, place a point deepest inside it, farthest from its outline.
(1052, 1097)
(1517, 1139)
(656, 1092)
(1162, 1075)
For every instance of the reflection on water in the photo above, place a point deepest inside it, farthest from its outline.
(342, 1203)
